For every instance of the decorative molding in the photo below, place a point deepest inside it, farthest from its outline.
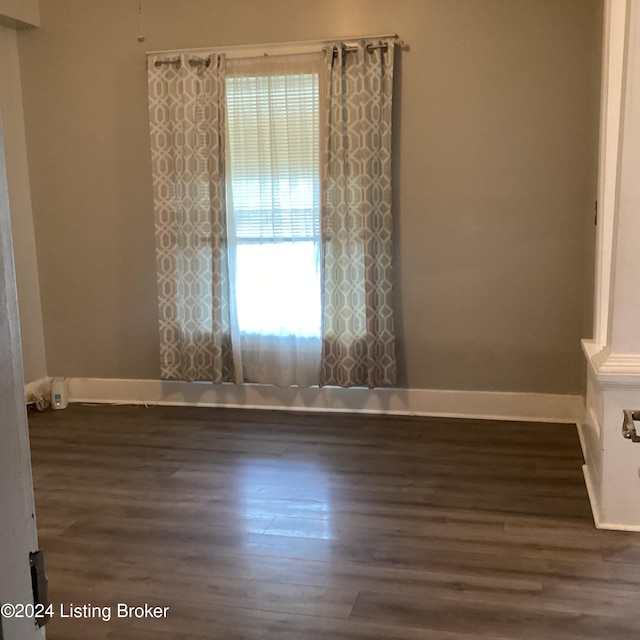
(611, 104)
(421, 402)
(612, 370)
(595, 352)
(621, 363)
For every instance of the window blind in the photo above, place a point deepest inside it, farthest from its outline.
(273, 122)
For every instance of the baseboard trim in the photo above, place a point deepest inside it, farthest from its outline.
(595, 507)
(592, 490)
(588, 473)
(583, 441)
(587, 452)
(593, 494)
(617, 527)
(532, 407)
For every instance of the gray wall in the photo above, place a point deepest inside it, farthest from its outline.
(496, 148)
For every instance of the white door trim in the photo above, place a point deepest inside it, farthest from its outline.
(17, 524)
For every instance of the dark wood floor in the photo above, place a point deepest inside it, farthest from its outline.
(294, 526)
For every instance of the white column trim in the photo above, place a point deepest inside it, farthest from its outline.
(613, 63)
(612, 370)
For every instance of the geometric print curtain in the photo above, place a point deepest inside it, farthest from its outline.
(186, 111)
(358, 340)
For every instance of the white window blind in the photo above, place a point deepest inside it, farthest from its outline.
(274, 153)
(273, 114)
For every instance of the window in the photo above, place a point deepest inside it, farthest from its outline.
(274, 197)
(235, 151)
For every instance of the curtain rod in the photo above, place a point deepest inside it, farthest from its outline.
(245, 51)
(206, 62)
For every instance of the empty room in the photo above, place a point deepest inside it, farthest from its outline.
(319, 319)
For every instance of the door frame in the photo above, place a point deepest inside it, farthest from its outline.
(18, 536)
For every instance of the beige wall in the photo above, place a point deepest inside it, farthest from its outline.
(11, 115)
(19, 14)
(496, 137)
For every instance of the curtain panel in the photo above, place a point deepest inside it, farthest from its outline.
(187, 124)
(358, 340)
(218, 226)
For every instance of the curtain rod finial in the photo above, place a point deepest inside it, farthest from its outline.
(141, 37)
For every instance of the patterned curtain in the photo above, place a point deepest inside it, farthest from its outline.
(358, 341)
(186, 110)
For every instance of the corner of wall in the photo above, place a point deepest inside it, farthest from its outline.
(19, 14)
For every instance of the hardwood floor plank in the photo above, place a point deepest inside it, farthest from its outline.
(490, 619)
(274, 525)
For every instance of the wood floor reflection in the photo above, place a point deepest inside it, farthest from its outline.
(291, 526)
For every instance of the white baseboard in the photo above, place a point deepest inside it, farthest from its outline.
(595, 506)
(583, 440)
(592, 493)
(612, 526)
(593, 484)
(588, 470)
(422, 402)
(586, 443)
